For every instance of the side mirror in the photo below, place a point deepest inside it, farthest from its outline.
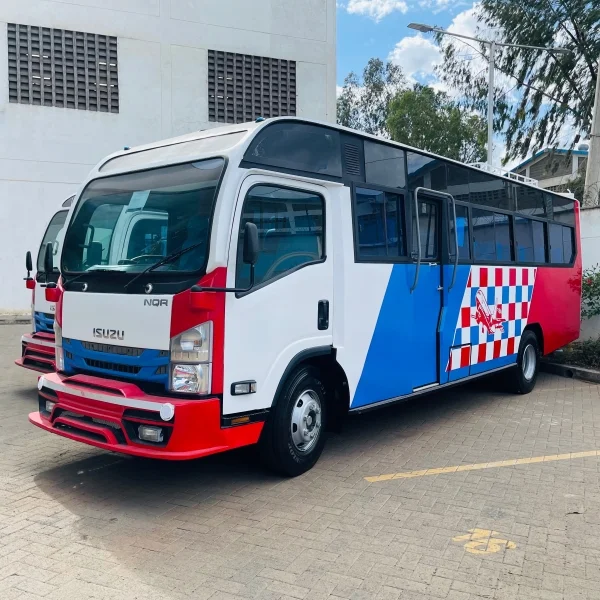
(30, 283)
(48, 259)
(250, 255)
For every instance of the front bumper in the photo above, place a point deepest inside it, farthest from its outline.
(37, 352)
(107, 413)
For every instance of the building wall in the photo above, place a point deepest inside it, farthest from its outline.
(590, 253)
(45, 152)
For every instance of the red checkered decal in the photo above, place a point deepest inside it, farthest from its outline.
(493, 314)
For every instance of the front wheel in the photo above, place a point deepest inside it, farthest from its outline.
(528, 361)
(294, 435)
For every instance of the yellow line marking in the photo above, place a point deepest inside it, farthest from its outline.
(480, 541)
(489, 465)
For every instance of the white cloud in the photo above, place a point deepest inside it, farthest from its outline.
(376, 9)
(465, 22)
(416, 55)
(338, 91)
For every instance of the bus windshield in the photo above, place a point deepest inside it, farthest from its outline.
(54, 227)
(130, 222)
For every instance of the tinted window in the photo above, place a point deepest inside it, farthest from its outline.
(564, 210)
(380, 223)
(439, 179)
(458, 182)
(180, 197)
(530, 201)
(428, 226)
(539, 242)
(561, 243)
(424, 171)
(290, 231)
(299, 147)
(487, 190)
(384, 165)
(55, 225)
(491, 236)
(462, 232)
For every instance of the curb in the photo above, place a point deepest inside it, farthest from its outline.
(15, 319)
(571, 371)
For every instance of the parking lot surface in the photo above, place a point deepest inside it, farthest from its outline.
(468, 493)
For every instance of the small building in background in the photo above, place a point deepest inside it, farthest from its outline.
(84, 78)
(555, 168)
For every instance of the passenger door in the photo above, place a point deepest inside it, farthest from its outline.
(427, 297)
(290, 308)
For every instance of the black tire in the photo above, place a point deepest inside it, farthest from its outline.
(524, 376)
(278, 446)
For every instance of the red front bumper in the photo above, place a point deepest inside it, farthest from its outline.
(107, 414)
(37, 352)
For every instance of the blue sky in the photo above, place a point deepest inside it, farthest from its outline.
(378, 28)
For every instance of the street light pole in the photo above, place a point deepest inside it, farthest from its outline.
(490, 112)
(491, 96)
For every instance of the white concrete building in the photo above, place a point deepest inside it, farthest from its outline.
(83, 78)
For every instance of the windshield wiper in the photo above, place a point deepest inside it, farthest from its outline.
(167, 259)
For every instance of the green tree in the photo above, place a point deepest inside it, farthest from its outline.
(430, 120)
(363, 102)
(555, 91)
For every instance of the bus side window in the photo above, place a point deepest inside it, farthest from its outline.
(462, 233)
(561, 243)
(379, 224)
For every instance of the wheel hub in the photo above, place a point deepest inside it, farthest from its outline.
(306, 421)
(529, 362)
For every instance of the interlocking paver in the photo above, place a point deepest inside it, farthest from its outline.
(77, 522)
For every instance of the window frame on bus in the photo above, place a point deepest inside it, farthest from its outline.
(402, 192)
(238, 237)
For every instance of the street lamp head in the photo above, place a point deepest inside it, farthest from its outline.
(560, 51)
(420, 27)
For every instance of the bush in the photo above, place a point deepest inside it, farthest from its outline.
(590, 292)
(583, 354)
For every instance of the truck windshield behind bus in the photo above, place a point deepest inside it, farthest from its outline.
(129, 222)
(55, 225)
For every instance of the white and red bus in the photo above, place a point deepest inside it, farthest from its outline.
(285, 272)
(37, 347)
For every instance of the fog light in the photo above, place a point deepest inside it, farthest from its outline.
(150, 434)
(50, 406)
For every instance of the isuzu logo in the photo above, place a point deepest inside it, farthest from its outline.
(109, 334)
(155, 302)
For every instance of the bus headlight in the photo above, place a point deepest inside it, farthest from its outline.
(191, 379)
(193, 345)
(191, 360)
(59, 354)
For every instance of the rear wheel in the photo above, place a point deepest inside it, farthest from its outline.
(294, 435)
(528, 362)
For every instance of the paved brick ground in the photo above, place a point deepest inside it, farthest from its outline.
(79, 523)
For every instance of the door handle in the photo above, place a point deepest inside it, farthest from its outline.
(323, 315)
(440, 288)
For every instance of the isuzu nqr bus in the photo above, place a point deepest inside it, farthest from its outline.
(285, 272)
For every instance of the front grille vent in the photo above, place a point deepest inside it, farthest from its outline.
(111, 366)
(111, 349)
